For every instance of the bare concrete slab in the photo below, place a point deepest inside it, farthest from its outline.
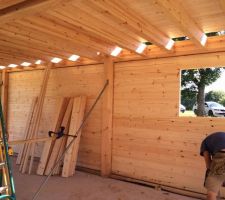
(85, 186)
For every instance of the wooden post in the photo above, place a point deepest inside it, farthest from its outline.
(107, 118)
(4, 94)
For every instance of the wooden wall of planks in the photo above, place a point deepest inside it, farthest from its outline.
(150, 141)
(86, 80)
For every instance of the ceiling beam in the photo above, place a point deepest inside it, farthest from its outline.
(41, 51)
(182, 48)
(177, 13)
(83, 19)
(58, 28)
(16, 59)
(222, 4)
(25, 8)
(27, 54)
(126, 18)
(8, 3)
(18, 31)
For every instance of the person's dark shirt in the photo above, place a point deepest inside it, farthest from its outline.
(213, 143)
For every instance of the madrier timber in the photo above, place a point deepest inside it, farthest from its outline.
(26, 136)
(25, 154)
(70, 158)
(64, 139)
(48, 144)
(56, 148)
(36, 121)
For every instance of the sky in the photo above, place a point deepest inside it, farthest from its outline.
(217, 85)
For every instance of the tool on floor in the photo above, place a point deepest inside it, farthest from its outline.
(71, 143)
(7, 189)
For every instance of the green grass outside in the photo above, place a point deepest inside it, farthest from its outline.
(187, 113)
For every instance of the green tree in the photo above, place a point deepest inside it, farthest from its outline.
(194, 81)
(216, 96)
(222, 101)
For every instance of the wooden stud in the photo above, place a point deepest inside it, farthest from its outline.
(107, 113)
(4, 94)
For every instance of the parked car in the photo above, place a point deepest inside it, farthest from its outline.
(212, 109)
(182, 108)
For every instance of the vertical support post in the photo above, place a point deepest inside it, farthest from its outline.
(107, 119)
(4, 95)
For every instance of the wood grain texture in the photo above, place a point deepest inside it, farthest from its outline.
(4, 94)
(107, 119)
(71, 155)
(69, 82)
(150, 141)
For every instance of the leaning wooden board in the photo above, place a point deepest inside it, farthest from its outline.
(48, 144)
(55, 150)
(26, 136)
(76, 120)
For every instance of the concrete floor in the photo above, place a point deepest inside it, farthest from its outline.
(84, 186)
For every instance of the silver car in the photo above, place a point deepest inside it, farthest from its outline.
(212, 109)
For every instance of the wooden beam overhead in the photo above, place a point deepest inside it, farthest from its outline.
(125, 17)
(222, 4)
(4, 51)
(83, 19)
(174, 10)
(5, 61)
(58, 28)
(8, 3)
(18, 31)
(26, 8)
(182, 48)
(38, 49)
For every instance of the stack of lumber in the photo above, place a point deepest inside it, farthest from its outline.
(32, 128)
(70, 116)
(23, 155)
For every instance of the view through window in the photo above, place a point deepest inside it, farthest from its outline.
(202, 92)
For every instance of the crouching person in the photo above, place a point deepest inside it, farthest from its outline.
(213, 151)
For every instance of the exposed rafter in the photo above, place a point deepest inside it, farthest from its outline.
(82, 18)
(182, 19)
(7, 3)
(222, 4)
(18, 31)
(59, 29)
(37, 49)
(125, 17)
(26, 8)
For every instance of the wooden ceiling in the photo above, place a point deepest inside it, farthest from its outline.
(42, 29)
